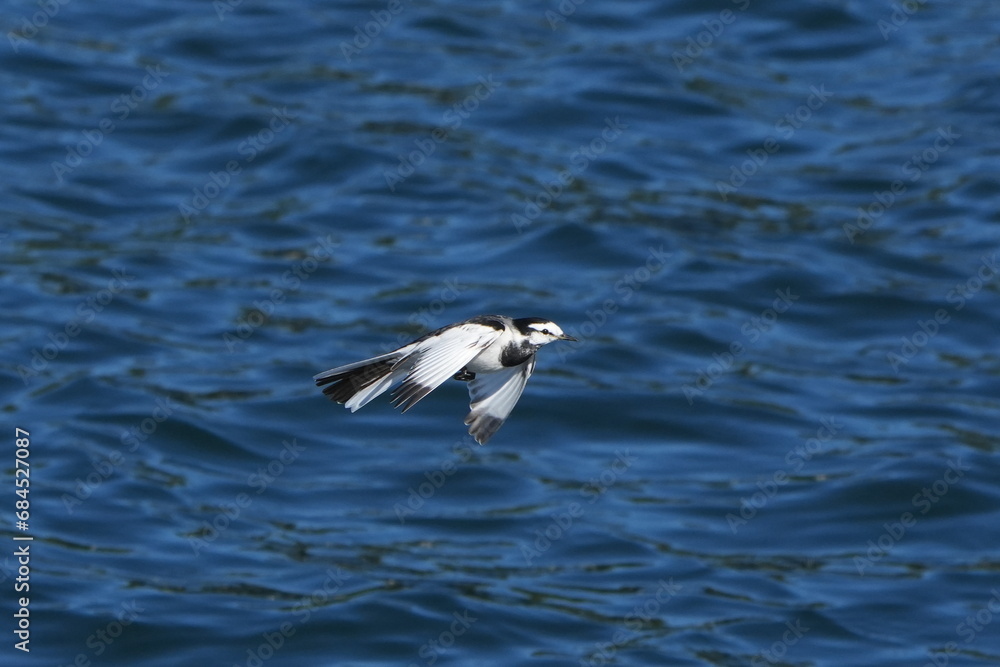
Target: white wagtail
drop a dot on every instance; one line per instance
(495, 354)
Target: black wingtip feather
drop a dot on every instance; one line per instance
(483, 427)
(406, 395)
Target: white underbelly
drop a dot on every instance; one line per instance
(488, 361)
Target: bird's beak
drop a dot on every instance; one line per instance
(565, 337)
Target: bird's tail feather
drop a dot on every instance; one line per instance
(358, 383)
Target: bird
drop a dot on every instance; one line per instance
(494, 354)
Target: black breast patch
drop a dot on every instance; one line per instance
(515, 355)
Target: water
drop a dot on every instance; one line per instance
(772, 226)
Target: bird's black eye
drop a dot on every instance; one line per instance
(546, 332)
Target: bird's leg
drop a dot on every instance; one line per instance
(464, 375)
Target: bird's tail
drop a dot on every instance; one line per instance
(356, 384)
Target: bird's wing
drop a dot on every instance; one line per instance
(493, 396)
(438, 357)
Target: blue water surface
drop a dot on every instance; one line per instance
(772, 226)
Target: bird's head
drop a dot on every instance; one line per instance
(540, 331)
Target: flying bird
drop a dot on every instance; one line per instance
(495, 354)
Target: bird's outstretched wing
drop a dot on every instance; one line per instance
(421, 366)
(493, 396)
(438, 357)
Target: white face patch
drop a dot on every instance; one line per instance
(547, 329)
